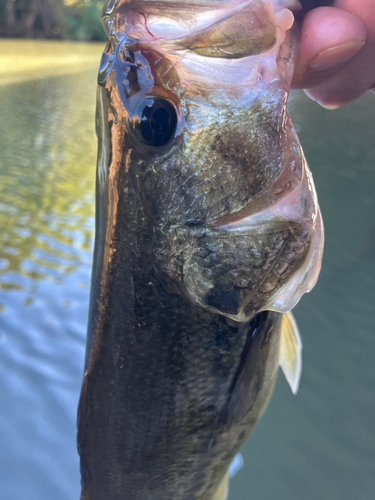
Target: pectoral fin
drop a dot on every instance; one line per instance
(290, 358)
(222, 491)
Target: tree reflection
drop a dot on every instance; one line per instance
(75, 19)
(47, 170)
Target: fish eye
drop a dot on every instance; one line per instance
(158, 121)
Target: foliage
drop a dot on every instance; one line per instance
(60, 19)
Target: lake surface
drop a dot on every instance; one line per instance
(317, 445)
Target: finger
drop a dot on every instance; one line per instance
(329, 38)
(349, 83)
(363, 10)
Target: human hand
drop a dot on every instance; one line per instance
(336, 60)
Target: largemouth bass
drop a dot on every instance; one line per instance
(208, 232)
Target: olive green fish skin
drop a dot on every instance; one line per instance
(181, 358)
(173, 393)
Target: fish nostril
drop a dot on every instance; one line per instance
(194, 222)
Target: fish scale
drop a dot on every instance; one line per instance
(229, 190)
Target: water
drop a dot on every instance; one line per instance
(320, 444)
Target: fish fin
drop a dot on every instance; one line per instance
(254, 373)
(223, 489)
(236, 465)
(290, 358)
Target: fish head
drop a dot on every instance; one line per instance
(193, 108)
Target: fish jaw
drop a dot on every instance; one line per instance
(211, 34)
(152, 19)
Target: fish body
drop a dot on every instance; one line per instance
(207, 231)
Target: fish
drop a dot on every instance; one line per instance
(208, 232)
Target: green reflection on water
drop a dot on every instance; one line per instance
(47, 165)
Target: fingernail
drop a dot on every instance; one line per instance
(335, 56)
(331, 106)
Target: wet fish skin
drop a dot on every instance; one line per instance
(181, 357)
(167, 425)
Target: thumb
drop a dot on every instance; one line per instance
(330, 37)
